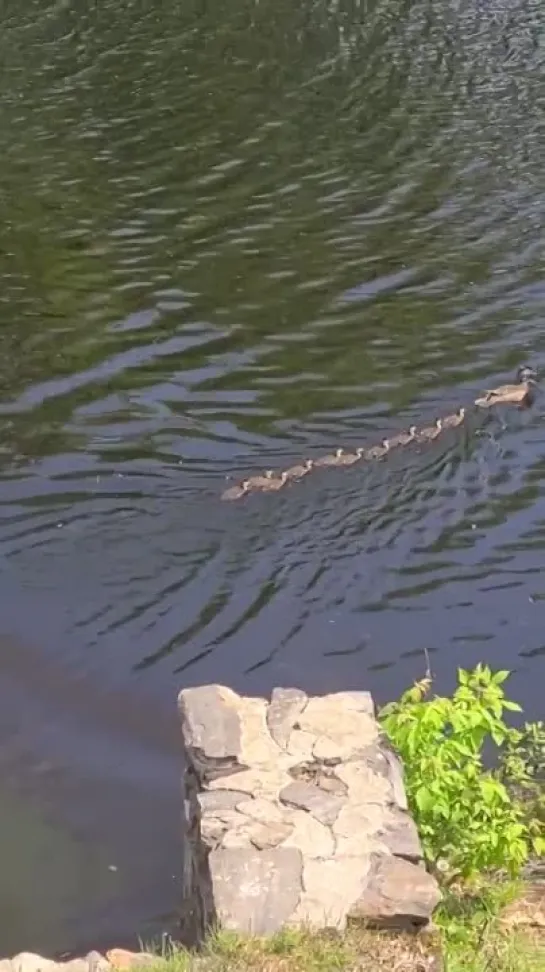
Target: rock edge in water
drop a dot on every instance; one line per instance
(295, 814)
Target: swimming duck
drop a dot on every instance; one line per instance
(378, 451)
(236, 492)
(348, 458)
(295, 472)
(267, 482)
(430, 431)
(334, 459)
(403, 438)
(452, 421)
(520, 393)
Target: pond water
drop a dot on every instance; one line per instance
(234, 235)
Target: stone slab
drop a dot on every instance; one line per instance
(399, 895)
(217, 801)
(310, 836)
(322, 805)
(32, 962)
(312, 829)
(399, 834)
(256, 893)
(285, 707)
(211, 730)
(257, 747)
(121, 958)
(331, 889)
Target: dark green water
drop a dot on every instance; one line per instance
(233, 235)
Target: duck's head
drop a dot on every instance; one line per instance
(525, 373)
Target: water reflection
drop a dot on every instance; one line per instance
(233, 238)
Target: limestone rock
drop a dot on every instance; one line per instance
(79, 965)
(312, 829)
(324, 806)
(216, 801)
(256, 893)
(398, 895)
(282, 713)
(346, 721)
(310, 836)
(30, 962)
(399, 834)
(266, 811)
(121, 958)
(211, 729)
(331, 889)
(365, 784)
(395, 774)
(257, 747)
(262, 781)
(96, 962)
(213, 828)
(260, 835)
(301, 744)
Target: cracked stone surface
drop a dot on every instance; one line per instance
(316, 801)
(294, 812)
(256, 893)
(282, 713)
(381, 904)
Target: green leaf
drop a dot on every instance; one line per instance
(538, 846)
(500, 676)
(498, 736)
(465, 815)
(425, 799)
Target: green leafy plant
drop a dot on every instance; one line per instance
(522, 767)
(469, 820)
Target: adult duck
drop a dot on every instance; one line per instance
(521, 393)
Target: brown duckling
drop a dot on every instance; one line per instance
(452, 421)
(296, 472)
(403, 438)
(334, 459)
(521, 393)
(430, 431)
(267, 482)
(378, 451)
(349, 458)
(236, 492)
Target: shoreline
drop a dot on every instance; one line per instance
(291, 786)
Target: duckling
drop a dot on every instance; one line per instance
(521, 393)
(378, 451)
(330, 460)
(256, 482)
(430, 431)
(452, 421)
(403, 438)
(267, 482)
(295, 472)
(236, 492)
(349, 458)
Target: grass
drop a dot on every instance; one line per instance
(486, 931)
(473, 934)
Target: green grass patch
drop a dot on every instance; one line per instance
(471, 935)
